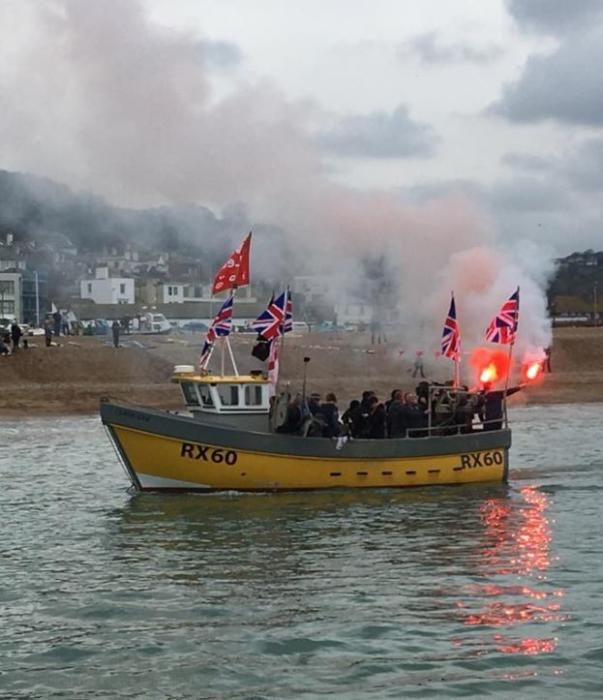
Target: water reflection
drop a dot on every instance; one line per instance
(518, 538)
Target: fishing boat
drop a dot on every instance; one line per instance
(230, 434)
(225, 440)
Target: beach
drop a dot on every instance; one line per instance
(72, 376)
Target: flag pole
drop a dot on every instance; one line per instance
(281, 345)
(511, 344)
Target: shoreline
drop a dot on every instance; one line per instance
(72, 377)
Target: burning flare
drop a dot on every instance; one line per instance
(490, 365)
(533, 370)
(488, 374)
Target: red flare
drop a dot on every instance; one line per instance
(490, 365)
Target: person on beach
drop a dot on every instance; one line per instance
(48, 332)
(15, 334)
(418, 367)
(115, 328)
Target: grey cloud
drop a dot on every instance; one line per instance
(555, 16)
(527, 162)
(380, 135)
(544, 210)
(221, 54)
(584, 169)
(564, 86)
(429, 48)
(525, 194)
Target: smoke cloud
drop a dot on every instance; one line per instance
(99, 97)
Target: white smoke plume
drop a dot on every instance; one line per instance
(99, 97)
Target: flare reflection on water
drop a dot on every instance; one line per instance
(519, 538)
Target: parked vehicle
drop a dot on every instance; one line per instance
(194, 327)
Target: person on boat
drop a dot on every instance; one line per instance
(422, 392)
(491, 405)
(395, 416)
(293, 417)
(414, 416)
(329, 412)
(364, 414)
(464, 412)
(376, 419)
(350, 417)
(314, 403)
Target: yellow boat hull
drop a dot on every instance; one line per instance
(163, 462)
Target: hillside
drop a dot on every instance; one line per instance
(73, 377)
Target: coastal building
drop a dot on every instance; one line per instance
(10, 295)
(104, 289)
(23, 295)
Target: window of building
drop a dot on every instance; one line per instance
(7, 306)
(7, 287)
(89, 287)
(122, 288)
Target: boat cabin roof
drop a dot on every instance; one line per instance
(219, 379)
(216, 393)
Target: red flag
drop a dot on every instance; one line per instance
(235, 271)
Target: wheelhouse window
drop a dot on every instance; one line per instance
(253, 395)
(205, 395)
(229, 394)
(190, 393)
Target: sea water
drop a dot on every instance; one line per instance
(476, 591)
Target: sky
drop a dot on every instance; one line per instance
(451, 137)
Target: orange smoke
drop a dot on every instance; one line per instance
(490, 365)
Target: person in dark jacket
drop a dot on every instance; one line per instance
(293, 418)
(396, 417)
(15, 334)
(492, 405)
(314, 403)
(350, 418)
(115, 327)
(376, 419)
(414, 416)
(330, 414)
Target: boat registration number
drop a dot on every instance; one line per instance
(208, 454)
(475, 460)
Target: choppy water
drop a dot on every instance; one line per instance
(471, 591)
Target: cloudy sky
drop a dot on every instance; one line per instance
(497, 103)
(461, 141)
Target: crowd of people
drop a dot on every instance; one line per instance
(432, 409)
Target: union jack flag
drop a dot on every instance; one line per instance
(451, 335)
(269, 323)
(220, 327)
(503, 327)
(288, 325)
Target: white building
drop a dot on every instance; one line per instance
(313, 287)
(353, 313)
(10, 295)
(179, 292)
(108, 290)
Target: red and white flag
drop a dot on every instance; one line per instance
(235, 271)
(273, 366)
